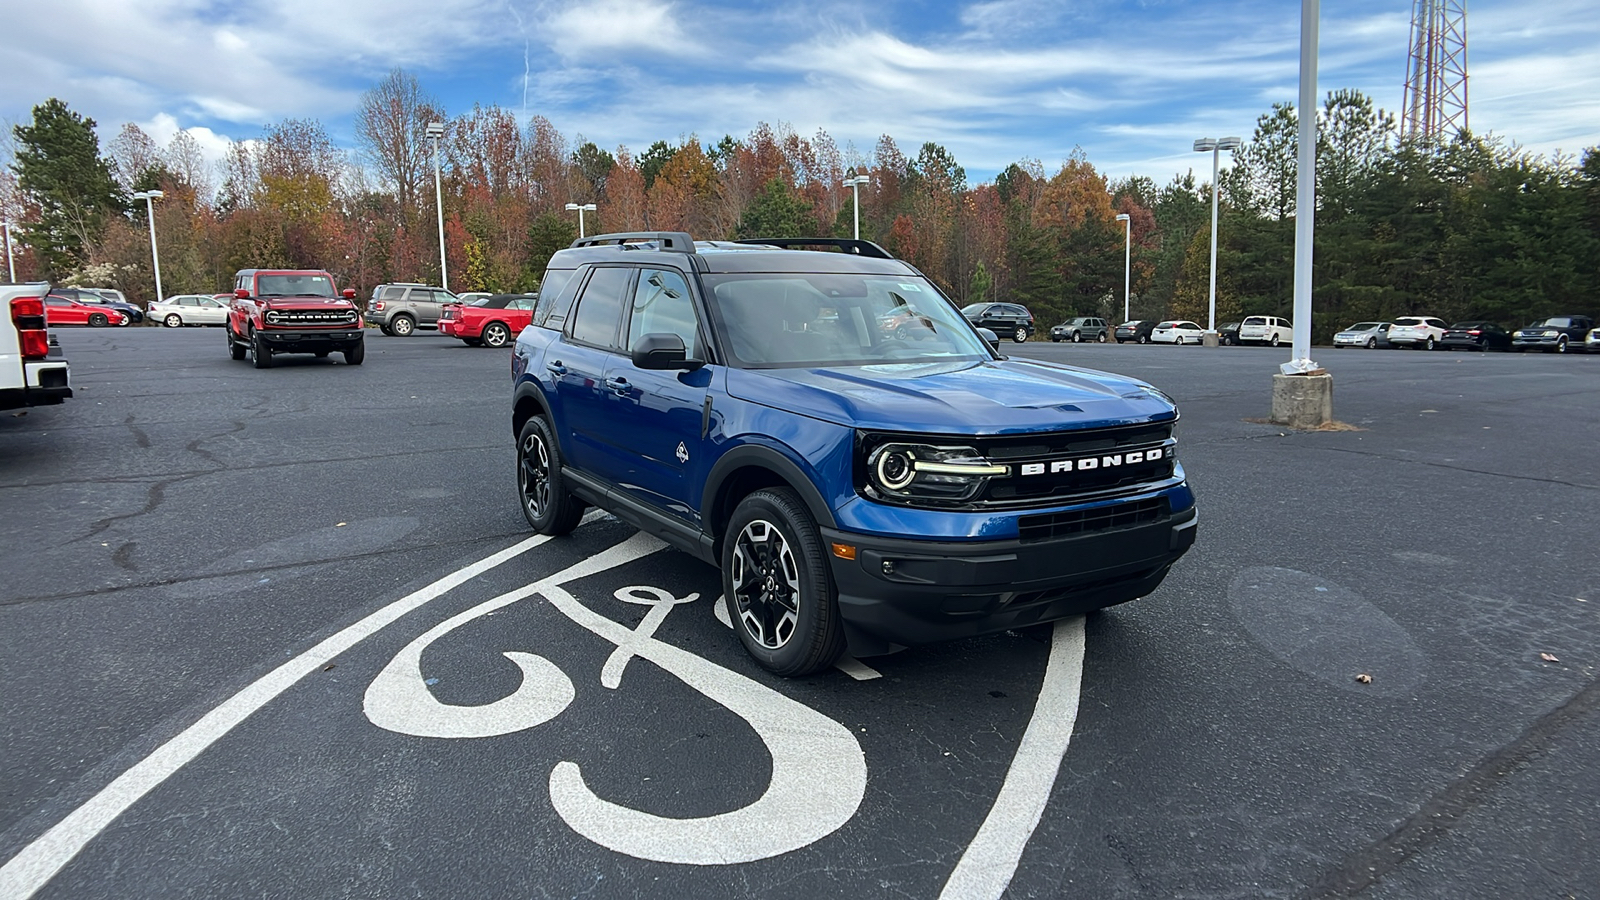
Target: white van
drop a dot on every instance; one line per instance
(1269, 330)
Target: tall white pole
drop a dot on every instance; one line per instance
(1216, 159)
(155, 255)
(855, 204)
(1305, 199)
(11, 267)
(1127, 263)
(438, 202)
(580, 221)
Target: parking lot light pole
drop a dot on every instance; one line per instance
(1127, 259)
(580, 207)
(11, 266)
(1215, 147)
(435, 131)
(854, 182)
(150, 198)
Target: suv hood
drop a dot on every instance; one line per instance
(988, 397)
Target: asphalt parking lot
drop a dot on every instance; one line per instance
(284, 633)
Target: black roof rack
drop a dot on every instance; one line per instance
(848, 245)
(678, 241)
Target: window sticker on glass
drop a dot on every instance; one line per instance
(909, 288)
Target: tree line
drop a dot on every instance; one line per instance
(1472, 228)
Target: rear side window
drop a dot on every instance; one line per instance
(549, 312)
(1255, 320)
(600, 308)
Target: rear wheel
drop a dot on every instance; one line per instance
(1430, 343)
(1144, 338)
(496, 334)
(1020, 335)
(545, 502)
(1273, 341)
(780, 592)
(354, 355)
(260, 353)
(403, 326)
(1102, 338)
(173, 320)
(236, 349)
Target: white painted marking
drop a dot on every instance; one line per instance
(819, 774)
(720, 609)
(399, 699)
(985, 869)
(856, 669)
(39, 862)
(660, 603)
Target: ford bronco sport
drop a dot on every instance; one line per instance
(746, 403)
(291, 311)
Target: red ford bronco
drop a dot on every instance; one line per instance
(292, 311)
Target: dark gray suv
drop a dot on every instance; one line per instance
(400, 309)
(1008, 320)
(1083, 328)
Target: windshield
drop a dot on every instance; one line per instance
(1362, 326)
(294, 286)
(801, 320)
(1557, 322)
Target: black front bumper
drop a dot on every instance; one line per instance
(904, 592)
(311, 341)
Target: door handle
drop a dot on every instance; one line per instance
(620, 385)
(556, 368)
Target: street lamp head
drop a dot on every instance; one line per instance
(589, 207)
(1124, 217)
(1230, 143)
(435, 130)
(856, 181)
(1205, 145)
(572, 206)
(148, 195)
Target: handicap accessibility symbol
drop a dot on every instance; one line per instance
(818, 776)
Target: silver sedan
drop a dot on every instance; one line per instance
(189, 309)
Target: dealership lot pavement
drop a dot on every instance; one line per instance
(258, 635)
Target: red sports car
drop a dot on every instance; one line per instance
(59, 310)
(491, 321)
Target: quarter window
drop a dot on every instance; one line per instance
(600, 307)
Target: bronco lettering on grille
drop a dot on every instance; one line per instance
(1089, 463)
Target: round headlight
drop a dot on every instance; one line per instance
(894, 469)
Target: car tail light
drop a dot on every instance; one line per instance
(378, 305)
(27, 313)
(1475, 331)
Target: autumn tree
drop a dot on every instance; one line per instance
(391, 129)
(60, 173)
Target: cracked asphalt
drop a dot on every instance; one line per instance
(186, 524)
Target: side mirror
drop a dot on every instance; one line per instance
(348, 293)
(990, 338)
(242, 293)
(662, 351)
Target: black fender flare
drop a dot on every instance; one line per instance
(527, 401)
(758, 456)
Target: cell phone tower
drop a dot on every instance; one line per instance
(1435, 105)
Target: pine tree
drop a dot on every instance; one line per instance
(58, 167)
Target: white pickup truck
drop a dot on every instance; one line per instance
(32, 369)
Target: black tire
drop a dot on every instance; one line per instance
(1077, 337)
(1429, 344)
(354, 355)
(403, 326)
(1273, 341)
(1561, 344)
(236, 349)
(1020, 335)
(385, 329)
(1372, 343)
(173, 320)
(779, 589)
(1054, 339)
(1144, 339)
(496, 334)
(97, 320)
(260, 353)
(1101, 339)
(472, 342)
(544, 499)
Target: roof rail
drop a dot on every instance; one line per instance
(678, 241)
(847, 245)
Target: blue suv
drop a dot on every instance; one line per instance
(828, 429)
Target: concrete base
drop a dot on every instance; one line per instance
(1211, 339)
(1302, 401)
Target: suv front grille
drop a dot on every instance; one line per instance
(291, 317)
(1048, 526)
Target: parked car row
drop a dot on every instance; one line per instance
(1557, 334)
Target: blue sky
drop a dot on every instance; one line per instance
(1131, 83)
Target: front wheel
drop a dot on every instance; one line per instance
(1077, 337)
(1020, 335)
(778, 587)
(545, 502)
(496, 334)
(260, 353)
(354, 355)
(97, 320)
(1561, 344)
(1372, 343)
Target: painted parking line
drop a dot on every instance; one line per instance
(40, 860)
(992, 858)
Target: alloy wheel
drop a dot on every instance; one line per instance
(766, 584)
(533, 475)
